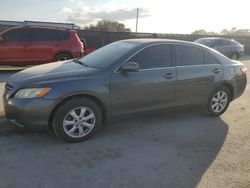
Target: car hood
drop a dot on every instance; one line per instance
(51, 72)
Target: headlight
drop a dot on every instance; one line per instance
(31, 93)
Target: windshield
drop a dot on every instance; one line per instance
(206, 42)
(107, 55)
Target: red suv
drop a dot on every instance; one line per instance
(36, 45)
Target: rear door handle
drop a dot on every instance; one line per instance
(216, 71)
(169, 76)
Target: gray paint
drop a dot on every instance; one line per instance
(121, 92)
(227, 47)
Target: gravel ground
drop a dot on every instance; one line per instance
(184, 148)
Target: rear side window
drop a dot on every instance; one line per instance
(209, 59)
(63, 35)
(189, 55)
(17, 35)
(157, 56)
(234, 42)
(43, 35)
(225, 42)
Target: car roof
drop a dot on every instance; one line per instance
(215, 38)
(156, 40)
(148, 41)
(39, 27)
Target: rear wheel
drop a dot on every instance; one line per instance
(62, 57)
(77, 120)
(218, 101)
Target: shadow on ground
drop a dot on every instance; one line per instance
(162, 150)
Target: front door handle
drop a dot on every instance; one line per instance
(169, 76)
(216, 71)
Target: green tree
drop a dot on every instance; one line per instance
(199, 32)
(236, 32)
(203, 32)
(231, 32)
(107, 25)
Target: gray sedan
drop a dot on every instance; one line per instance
(75, 97)
(228, 47)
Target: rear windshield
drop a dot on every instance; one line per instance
(107, 55)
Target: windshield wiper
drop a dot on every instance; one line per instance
(79, 62)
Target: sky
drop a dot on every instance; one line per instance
(155, 16)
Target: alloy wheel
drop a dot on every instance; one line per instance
(79, 122)
(219, 101)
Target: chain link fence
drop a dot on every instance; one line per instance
(97, 39)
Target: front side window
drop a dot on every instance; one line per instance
(189, 55)
(203, 41)
(108, 55)
(17, 35)
(157, 56)
(216, 43)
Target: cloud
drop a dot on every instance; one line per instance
(65, 10)
(74, 1)
(89, 15)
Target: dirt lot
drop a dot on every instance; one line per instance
(178, 149)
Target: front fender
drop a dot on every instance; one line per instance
(97, 87)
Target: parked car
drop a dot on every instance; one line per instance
(87, 50)
(31, 45)
(75, 97)
(228, 47)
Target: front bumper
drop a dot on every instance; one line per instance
(29, 113)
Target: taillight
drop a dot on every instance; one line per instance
(243, 70)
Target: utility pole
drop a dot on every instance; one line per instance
(137, 15)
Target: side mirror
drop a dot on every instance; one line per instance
(130, 67)
(1, 39)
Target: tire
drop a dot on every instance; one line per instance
(70, 125)
(62, 57)
(234, 56)
(216, 108)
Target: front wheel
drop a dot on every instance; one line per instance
(218, 101)
(77, 120)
